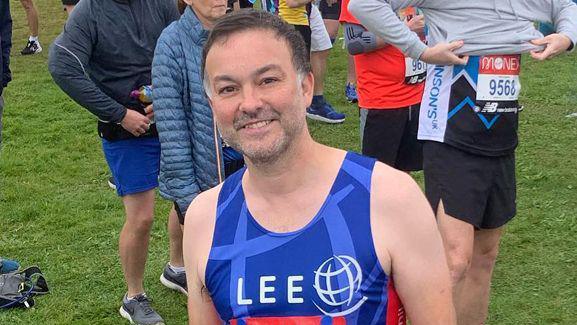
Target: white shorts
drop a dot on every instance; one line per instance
(320, 39)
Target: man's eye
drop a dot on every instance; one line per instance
(226, 90)
(267, 81)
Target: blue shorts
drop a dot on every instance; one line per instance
(134, 164)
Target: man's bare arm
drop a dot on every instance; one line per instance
(409, 244)
(197, 240)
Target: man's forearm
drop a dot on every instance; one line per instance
(69, 74)
(378, 17)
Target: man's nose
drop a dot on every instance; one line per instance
(251, 100)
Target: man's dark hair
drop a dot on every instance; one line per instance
(249, 19)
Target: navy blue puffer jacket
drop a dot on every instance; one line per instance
(190, 159)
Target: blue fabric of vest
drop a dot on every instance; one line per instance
(328, 268)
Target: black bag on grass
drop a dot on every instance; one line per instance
(18, 288)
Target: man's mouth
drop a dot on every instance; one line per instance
(256, 125)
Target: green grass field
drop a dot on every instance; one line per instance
(57, 212)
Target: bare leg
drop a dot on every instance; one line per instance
(31, 16)
(471, 256)
(458, 239)
(332, 27)
(175, 239)
(319, 67)
(474, 303)
(134, 238)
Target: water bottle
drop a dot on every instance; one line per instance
(143, 94)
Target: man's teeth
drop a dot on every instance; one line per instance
(257, 125)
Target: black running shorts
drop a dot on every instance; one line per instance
(70, 2)
(305, 32)
(479, 190)
(390, 136)
(333, 12)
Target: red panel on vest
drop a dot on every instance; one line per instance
(294, 320)
(395, 311)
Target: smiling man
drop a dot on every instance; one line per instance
(306, 234)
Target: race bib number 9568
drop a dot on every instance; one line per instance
(499, 78)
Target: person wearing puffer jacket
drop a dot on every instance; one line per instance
(191, 159)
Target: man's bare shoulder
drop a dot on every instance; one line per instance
(398, 196)
(198, 232)
(399, 212)
(393, 186)
(199, 225)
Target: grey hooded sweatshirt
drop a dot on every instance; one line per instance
(486, 26)
(106, 51)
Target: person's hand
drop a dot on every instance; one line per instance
(443, 54)
(149, 111)
(135, 123)
(555, 44)
(417, 24)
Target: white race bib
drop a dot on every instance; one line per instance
(498, 79)
(415, 71)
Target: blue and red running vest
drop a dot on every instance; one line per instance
(325, 273)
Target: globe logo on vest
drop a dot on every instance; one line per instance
(337, 282)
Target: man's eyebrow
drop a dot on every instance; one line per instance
(267, 68)
(259, 71)
(224, 78)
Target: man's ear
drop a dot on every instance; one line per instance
(308, 84)
(209, 101)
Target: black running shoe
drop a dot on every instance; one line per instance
(32, 47)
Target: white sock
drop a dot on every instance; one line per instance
(127, 298)
(176, 269)
(33, 39)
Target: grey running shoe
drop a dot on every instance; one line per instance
(173, 280)
(138, 311)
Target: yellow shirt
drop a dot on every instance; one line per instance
(293, 16)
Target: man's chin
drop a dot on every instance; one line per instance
(264, 156)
